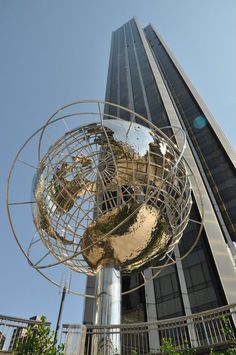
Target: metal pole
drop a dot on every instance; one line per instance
(108, 308)
(59, 314)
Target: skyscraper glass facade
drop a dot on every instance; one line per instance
(145, 77)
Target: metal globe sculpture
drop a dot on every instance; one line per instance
(111, 190)
(110, 196)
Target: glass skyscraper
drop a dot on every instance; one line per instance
(144, 76)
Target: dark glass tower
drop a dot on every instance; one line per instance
(145, 77)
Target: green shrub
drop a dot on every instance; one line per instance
(38, 341)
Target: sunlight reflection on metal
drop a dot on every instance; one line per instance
(106, 184)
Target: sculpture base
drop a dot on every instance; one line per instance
(108, 307)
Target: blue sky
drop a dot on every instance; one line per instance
(56, 51)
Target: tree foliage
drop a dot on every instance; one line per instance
(38, 340)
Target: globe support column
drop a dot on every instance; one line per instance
(108, 307)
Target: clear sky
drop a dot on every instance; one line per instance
(56, 51)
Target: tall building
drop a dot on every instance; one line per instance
(144, 76)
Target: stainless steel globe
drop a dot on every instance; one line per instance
(109, 197)
(111, 190)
